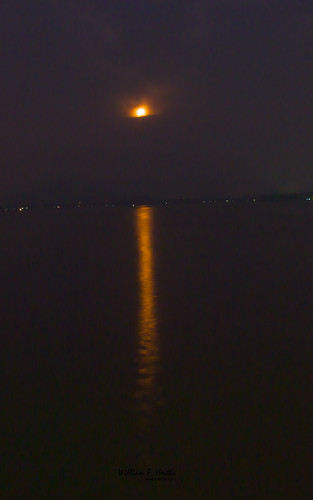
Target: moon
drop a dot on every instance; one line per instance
(140, 111)
(151, 101)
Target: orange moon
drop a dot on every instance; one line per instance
(140, 111)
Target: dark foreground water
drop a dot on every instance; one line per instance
(165, 343)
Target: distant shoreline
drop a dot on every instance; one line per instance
(137, 202)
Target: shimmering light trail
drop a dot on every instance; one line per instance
(148, 352)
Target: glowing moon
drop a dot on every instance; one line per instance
(151, 101)
(142, 111)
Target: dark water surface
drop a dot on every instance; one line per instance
(157, 338)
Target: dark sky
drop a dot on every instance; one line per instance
(232, 81)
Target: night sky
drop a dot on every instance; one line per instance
(230, 83)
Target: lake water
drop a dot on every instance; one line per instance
(157, 353)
